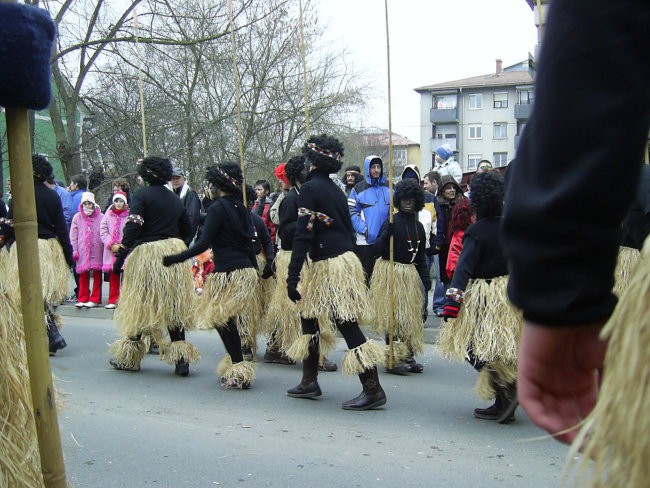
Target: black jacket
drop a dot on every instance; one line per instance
(192, 206)
(408, 233)
(228, 230)
(262, 238)
(50, 219)
(288, 215)
(162, 214)
(320, 239)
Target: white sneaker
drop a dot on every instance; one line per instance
(110, 306)
(80, 305)
(90, 304)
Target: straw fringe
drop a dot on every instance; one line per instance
(626, 264)
(154, 296)
(614, 435)
(20, 463)
(408, 303)
(366, 356)
(299, 350)
(503, 374)
(243, 372)
(487, 324)
(334, 289)
(228, 295)
(127, 352)
(327, 343)
(54, 272)
(172, 352)
(282, 317)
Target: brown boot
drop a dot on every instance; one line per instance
(372, 395)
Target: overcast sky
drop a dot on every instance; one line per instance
(431, 41)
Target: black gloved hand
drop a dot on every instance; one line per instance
(292, 291)
(268, 271)
(169, 260)
(117, 265)
(390, 228)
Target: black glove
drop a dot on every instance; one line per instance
(292, 291)
(117, 265)
(169, 260)
(268, 271)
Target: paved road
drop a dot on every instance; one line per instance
(153, 429)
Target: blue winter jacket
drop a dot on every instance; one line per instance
(369, 203)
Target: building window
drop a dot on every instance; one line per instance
(501, 100)
(500, 130)
(476, 101)
(400, 155)
(526, 97)
(475, 131)
(500, 159)
(444, 102)
(472, 161)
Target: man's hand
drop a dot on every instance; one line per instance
(115, 247)
(559, 375)
(268, 271)
(117, 265)
(292, 292)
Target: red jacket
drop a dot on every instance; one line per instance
(455, 247)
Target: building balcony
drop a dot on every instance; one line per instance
(517, 140)
(523, 110)
(438, 141)
(443, 115)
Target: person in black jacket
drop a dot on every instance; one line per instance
(487, 328)
(190, 201)
(154, 300)
(55, 251)
(231, 290)
(332, 285)
(411, 277)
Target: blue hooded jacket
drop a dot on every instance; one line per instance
(369, 203)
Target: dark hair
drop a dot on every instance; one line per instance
(488, 192)
(294, 169)
(461, 216)
(250, 196)
(352, 167)
(264, 184)
(80, 180)
(434, 176)
(155, 170)
(409, 188)
(41, 167)
(227, 177)
(122, 183)
(324, 152)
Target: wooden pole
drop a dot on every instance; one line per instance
(391, 275)
(38, 361)
(140, 84)
(303, 58)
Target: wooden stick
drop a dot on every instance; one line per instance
(140, 84)
(303, 57)
(38, 361)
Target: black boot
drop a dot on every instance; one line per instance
(182, 368)
(510, 403)
(55, 339)
(308, 387)
(372, 396)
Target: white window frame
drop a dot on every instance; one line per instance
(496, 159)
(502, 126)
(473, 160)
(446, 102)
(478, 131)
(502, 103)
(530, 97)
(478, 101)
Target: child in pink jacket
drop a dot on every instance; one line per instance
(111, 229)
(87, 250)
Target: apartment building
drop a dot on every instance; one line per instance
(480, 117)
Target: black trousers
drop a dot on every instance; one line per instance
(366, 255)
(350, 331)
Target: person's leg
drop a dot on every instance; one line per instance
(235, 373)
(55, 339)
(83, 290)
(439, 289)
(362, 358)
(180, 353)
(127, 353)
(96, 295)
(307, 348)
(113, 288)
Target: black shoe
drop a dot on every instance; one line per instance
(366, 401)
(277, 357)
(182, 368)
(312, 390)
(490, 413)
(400, 369)
(413, 367)
(510, 403)
(56, 342)
(154, 348)
(247, 352)
(327, 365)
(113, 362)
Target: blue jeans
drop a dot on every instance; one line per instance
(439, 289)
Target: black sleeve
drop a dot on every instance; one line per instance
(267, 244)
(209, 234)
(381, 247)
(193, 209)
(569, 188)
(438, 241)
(186, 229)
(467, 262)
(61, 229)
(132, 229)
(302, 237)
(421, 261)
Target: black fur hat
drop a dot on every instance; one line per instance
(324, 152)
(155, 170)
(41, 167)
(227, 177)
(488, 192)
(295, 169)
(409, 188)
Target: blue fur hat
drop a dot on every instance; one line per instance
(444, 151)
(26, 42)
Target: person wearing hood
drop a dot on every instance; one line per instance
(446, 164)
(351, 176)
(87, 250)
(369, 203)
(111, 229)
(190, 201)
